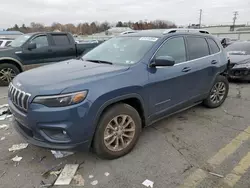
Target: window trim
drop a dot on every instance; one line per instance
(60, 34)
(41, 35)
(210, 49)
(189, 61)
(209, 53)
(177, 36)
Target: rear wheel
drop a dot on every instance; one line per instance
(218, 93)
(118, 131)
(7, 73)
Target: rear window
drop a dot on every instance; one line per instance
(197, 47)
(7, 43)
(213, 46)
(61, 40)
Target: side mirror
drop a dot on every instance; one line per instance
(32, 46)
(163, 61)
(224, 42)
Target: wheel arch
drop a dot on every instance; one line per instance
(13, 61)
(128, 99)
(133, 99)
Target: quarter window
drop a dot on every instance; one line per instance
(197, 47)
(41, 41)
(61, 40)
(175, 48)
(213, 46)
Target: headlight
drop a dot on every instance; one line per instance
(61, 100)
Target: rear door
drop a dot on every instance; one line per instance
(201, 61)
(62, 47)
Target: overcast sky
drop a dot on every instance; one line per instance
(182, 12)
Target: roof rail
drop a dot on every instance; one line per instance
(185, 30)
(127, 32)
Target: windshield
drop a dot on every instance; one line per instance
(121, 50)
(19, 41)
(240, 48)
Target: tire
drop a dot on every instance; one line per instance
(209, 102)
(117, 112)
(5, 78)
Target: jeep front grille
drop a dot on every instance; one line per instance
(18, 97)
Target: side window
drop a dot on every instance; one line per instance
(175, 48)
(213, 46)
(41, 41)
(1, 42)
(197, 47)
(61, 40)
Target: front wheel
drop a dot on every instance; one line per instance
(7, 73)
(218, 93)
(118, 131)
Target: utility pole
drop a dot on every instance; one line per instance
(200, 18)
(235, 18)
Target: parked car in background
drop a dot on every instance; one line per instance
(239, 55)
(227, 41)
(36, 49)
(5, 42)
(104, 99)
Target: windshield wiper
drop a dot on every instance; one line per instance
(99, 61)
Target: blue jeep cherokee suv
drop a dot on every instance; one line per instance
(103, 100)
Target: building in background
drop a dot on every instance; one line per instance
(10, 34)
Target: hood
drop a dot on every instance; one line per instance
(54, 78)
(8, 51)
(239, 59)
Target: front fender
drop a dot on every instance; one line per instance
(116, 100)
(99, 105)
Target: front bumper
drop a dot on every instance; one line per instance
(239, 74)
(66, 128)
(54, 146)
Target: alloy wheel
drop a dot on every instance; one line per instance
(119, 133)
(7, 74)
(218, 92)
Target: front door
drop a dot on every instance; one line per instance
(170, 86)
(35, 57)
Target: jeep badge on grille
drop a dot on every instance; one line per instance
(18, 84)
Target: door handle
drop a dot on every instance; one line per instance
(214, 62)
(186, 69)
